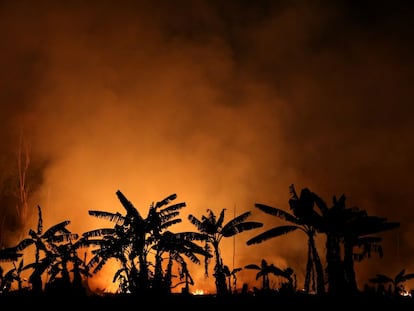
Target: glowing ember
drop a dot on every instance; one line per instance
(199, 292)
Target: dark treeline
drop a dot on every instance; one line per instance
(150, 254)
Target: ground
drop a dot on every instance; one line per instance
(184, 302)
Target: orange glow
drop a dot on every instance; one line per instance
(199, 292)
(226, 110)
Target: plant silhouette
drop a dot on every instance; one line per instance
(396, 282)
(14, 274)
(299, 222)
(45, 248)
(265, 269)
(231, 278)
(177, 245)
(151, 255)
(215, 230)
(347, 229)
(68, 261)
(132, 239)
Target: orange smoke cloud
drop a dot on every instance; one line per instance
(225, 105)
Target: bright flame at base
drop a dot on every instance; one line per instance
(199, 292)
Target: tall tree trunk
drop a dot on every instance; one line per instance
(219, 275)
(320, 278)
(334, 269)
(349, 267)
(309, 269)
(158, 273)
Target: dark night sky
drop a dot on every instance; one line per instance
(225, 103)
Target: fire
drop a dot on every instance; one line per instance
(199, 292)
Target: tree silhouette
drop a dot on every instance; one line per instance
(147, 250)
(13, 275)
(215, 229)
(347, 229)
(176, 245)
(300, 221)
(66, 262)
(110, 243)
(184, 274)
(45, 242)
(290, 285)
(397, 282)
(265, 269)
(232, 285)
(358, 236)
(10, 254)
(132, 238)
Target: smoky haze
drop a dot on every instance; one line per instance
(223, 103)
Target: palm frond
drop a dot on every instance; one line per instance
(170, 223)
(237, 220)
(100, 265)
(172, 208)
(93, 261)
(118, 274)
(226, 270)
(20, 267)
(33, 234)
(235, 270)
(275, 270)
(166, 217)
(407, 277)
(260, 274)
(63, 238)
(278, 213)
(263, 263)
(292, 192)
(252, 267)
(240, 227)
(196, 222)
(24, 243)
(129, 207)
(191, 236)
(9, 276)
(191, 255)
(367, 225)
(271, 233)
(112, 217)
(55, 228)
(166, 200)
(31, 265)
(320, 203)
(196, 249)
(85, 242)
(220, 220)
(399, 276)
(368, 240)
(9, 254)
(99, 232)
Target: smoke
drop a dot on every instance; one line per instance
(224, 103)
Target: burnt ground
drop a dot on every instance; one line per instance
(200, 302)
